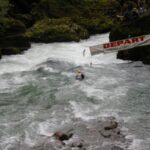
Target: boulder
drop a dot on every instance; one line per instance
(111, 125)
(136, 54)
(116, 148)
(62, 136)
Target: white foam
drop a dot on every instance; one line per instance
(8, 141)
(69, 52)
(81, 111)
(139, 144)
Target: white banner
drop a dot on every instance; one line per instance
(120, 45)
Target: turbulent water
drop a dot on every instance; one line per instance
(39, 93)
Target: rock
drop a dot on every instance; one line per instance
(136, 54)
(146, 60)
(116, 148)
(77, 144)
(111, 125)
(78, 136)
(105, 134)
(110, 129)
(62, 136)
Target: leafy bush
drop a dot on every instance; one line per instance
(50, 30)
(95, 25)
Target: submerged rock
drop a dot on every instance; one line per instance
(111, 125)
(116, 148)
(62, 136)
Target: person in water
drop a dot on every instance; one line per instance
(79, 75)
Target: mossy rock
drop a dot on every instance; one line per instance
(56, 30)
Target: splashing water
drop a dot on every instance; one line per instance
(39, 93)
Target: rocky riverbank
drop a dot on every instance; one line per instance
(52, 21)
(103, 134)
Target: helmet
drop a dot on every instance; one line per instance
(78, 71)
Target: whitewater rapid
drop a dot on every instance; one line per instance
(38, 92)
(71, 52)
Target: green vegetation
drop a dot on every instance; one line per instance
(136, 27)
(10, 26)
(100, 24)
(44, 19)
(24, 21)
(139, 26)
(51, 30)
(4, 5)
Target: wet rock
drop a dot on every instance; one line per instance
(116, 148)
(136, 54)
(110, 130)
(105, 134)
(84, 135)
(77, 144)
(62, 136)
(111, 125)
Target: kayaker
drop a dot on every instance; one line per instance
(79, 75)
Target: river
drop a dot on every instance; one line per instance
(39, 93)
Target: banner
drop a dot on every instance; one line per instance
(120, 45)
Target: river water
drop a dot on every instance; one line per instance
(39, 93)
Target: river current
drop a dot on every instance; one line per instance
(39, 93)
